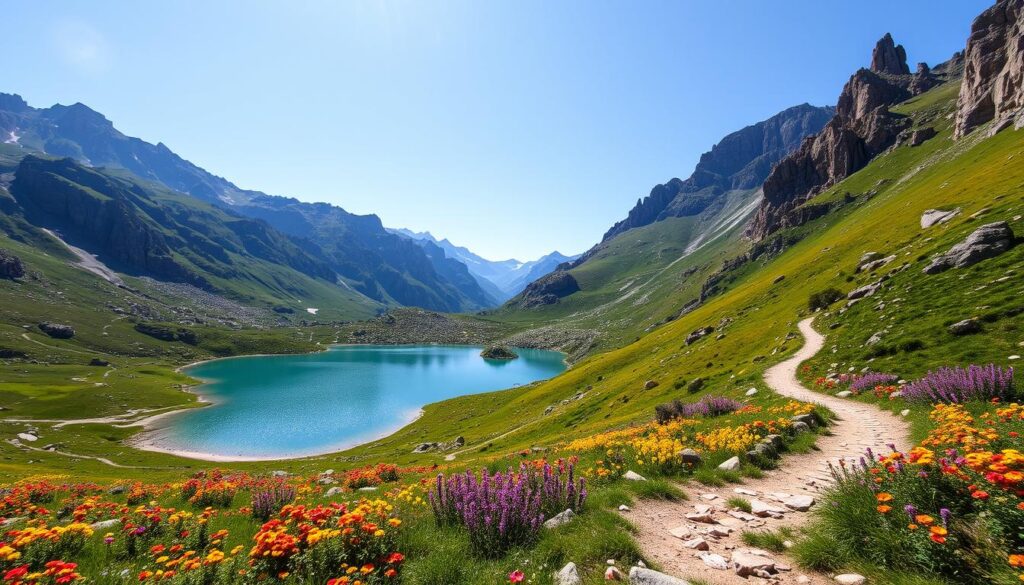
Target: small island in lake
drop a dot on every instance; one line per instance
(498, 352)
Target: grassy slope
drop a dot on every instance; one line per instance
(971, 174)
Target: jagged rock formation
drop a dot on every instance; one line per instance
(862, 128)
(888, 57)
(547, 290)
(993, 85)
(57, 330)
(10, 265)
(740, 161)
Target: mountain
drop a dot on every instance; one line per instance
(651, 265)
(502, 279)
(739, 162)
(373, 261)
(143, 229)
(863, 127)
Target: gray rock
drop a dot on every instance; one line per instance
(874, 339)
(965, 327)
(642, 576)
(715, 561)
(746, 564)
(851, 579)
(875, 264)
(117, 489)
(697, 544)
(332, 492)
(988, 241)
(730, 464)
(649, 384)
(569, 575)
(922, 135)
(57, 330)
(798, 503)
(633, 476)
(864, 291)
(844, 394)
(800, 427)
(698, 334)
(810, 419)
(751, 392)
(560, 519)
(690, 456)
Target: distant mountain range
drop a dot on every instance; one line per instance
(502, 279)
(354, 250)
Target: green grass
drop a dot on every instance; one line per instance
(771, 540)
(739, 503)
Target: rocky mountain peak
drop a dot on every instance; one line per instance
(993, 84)
(888, 57)
(12, 102)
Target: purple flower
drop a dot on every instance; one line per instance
(957, 385)
(911, 511)
(945, 515)
(869, 380)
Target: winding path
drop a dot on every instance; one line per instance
(858, 427)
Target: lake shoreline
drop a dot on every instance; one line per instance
(151, 439)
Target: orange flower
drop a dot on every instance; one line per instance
(882, 508)
(884, 497)
(924, 519)
(1016, 560)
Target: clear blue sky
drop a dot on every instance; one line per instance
(513, 128)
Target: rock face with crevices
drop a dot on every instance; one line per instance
(993, 84)
(548, 290)
(862, 128)
(988, 241)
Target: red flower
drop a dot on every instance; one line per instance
(16, 573)
(516, 577)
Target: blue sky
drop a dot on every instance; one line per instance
(513, 128)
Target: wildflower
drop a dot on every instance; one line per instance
(516, 577)
(884, 497)
(883, 509)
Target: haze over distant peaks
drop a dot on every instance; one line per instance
(502, 278)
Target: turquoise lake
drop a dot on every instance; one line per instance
(295, 405)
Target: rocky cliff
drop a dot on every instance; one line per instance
(861, 129)
(993, 84)
(548, 290)
(741, 160)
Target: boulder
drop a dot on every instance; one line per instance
(730, 464)
(650, 384)
(689, 456)
(988, 241)
(698, 334)
(875, 264)
(965, 327)
(10, 265)
(569, 575)
(426, 447)
(844, 394)
(922, 135)
(560, 519)
(851, 579)
(57, 330)
(105, 524)
(332, 492)
(643, 576)
(98, 362)
(633, 476)
(762, 509)
(936, 216)
(810, 419)
(750, 392)
(864, 291)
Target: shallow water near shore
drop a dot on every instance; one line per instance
(267, 407)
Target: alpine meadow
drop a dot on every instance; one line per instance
(797, 365)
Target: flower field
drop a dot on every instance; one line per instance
(952, 505)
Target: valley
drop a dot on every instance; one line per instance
(798, 365)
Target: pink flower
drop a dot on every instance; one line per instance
(516, 577)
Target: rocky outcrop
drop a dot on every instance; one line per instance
(988, 241)
(862, 128)
(547, 290)
(993, 84)
(57, 330)
(10, 265)
(888, 57)
(498, 352)
(740, 161)
(936, 216)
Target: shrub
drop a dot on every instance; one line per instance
(707, 406)
(504, 509)
(269, 500)
(870, 380)
(824, 298)
(956, 385)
